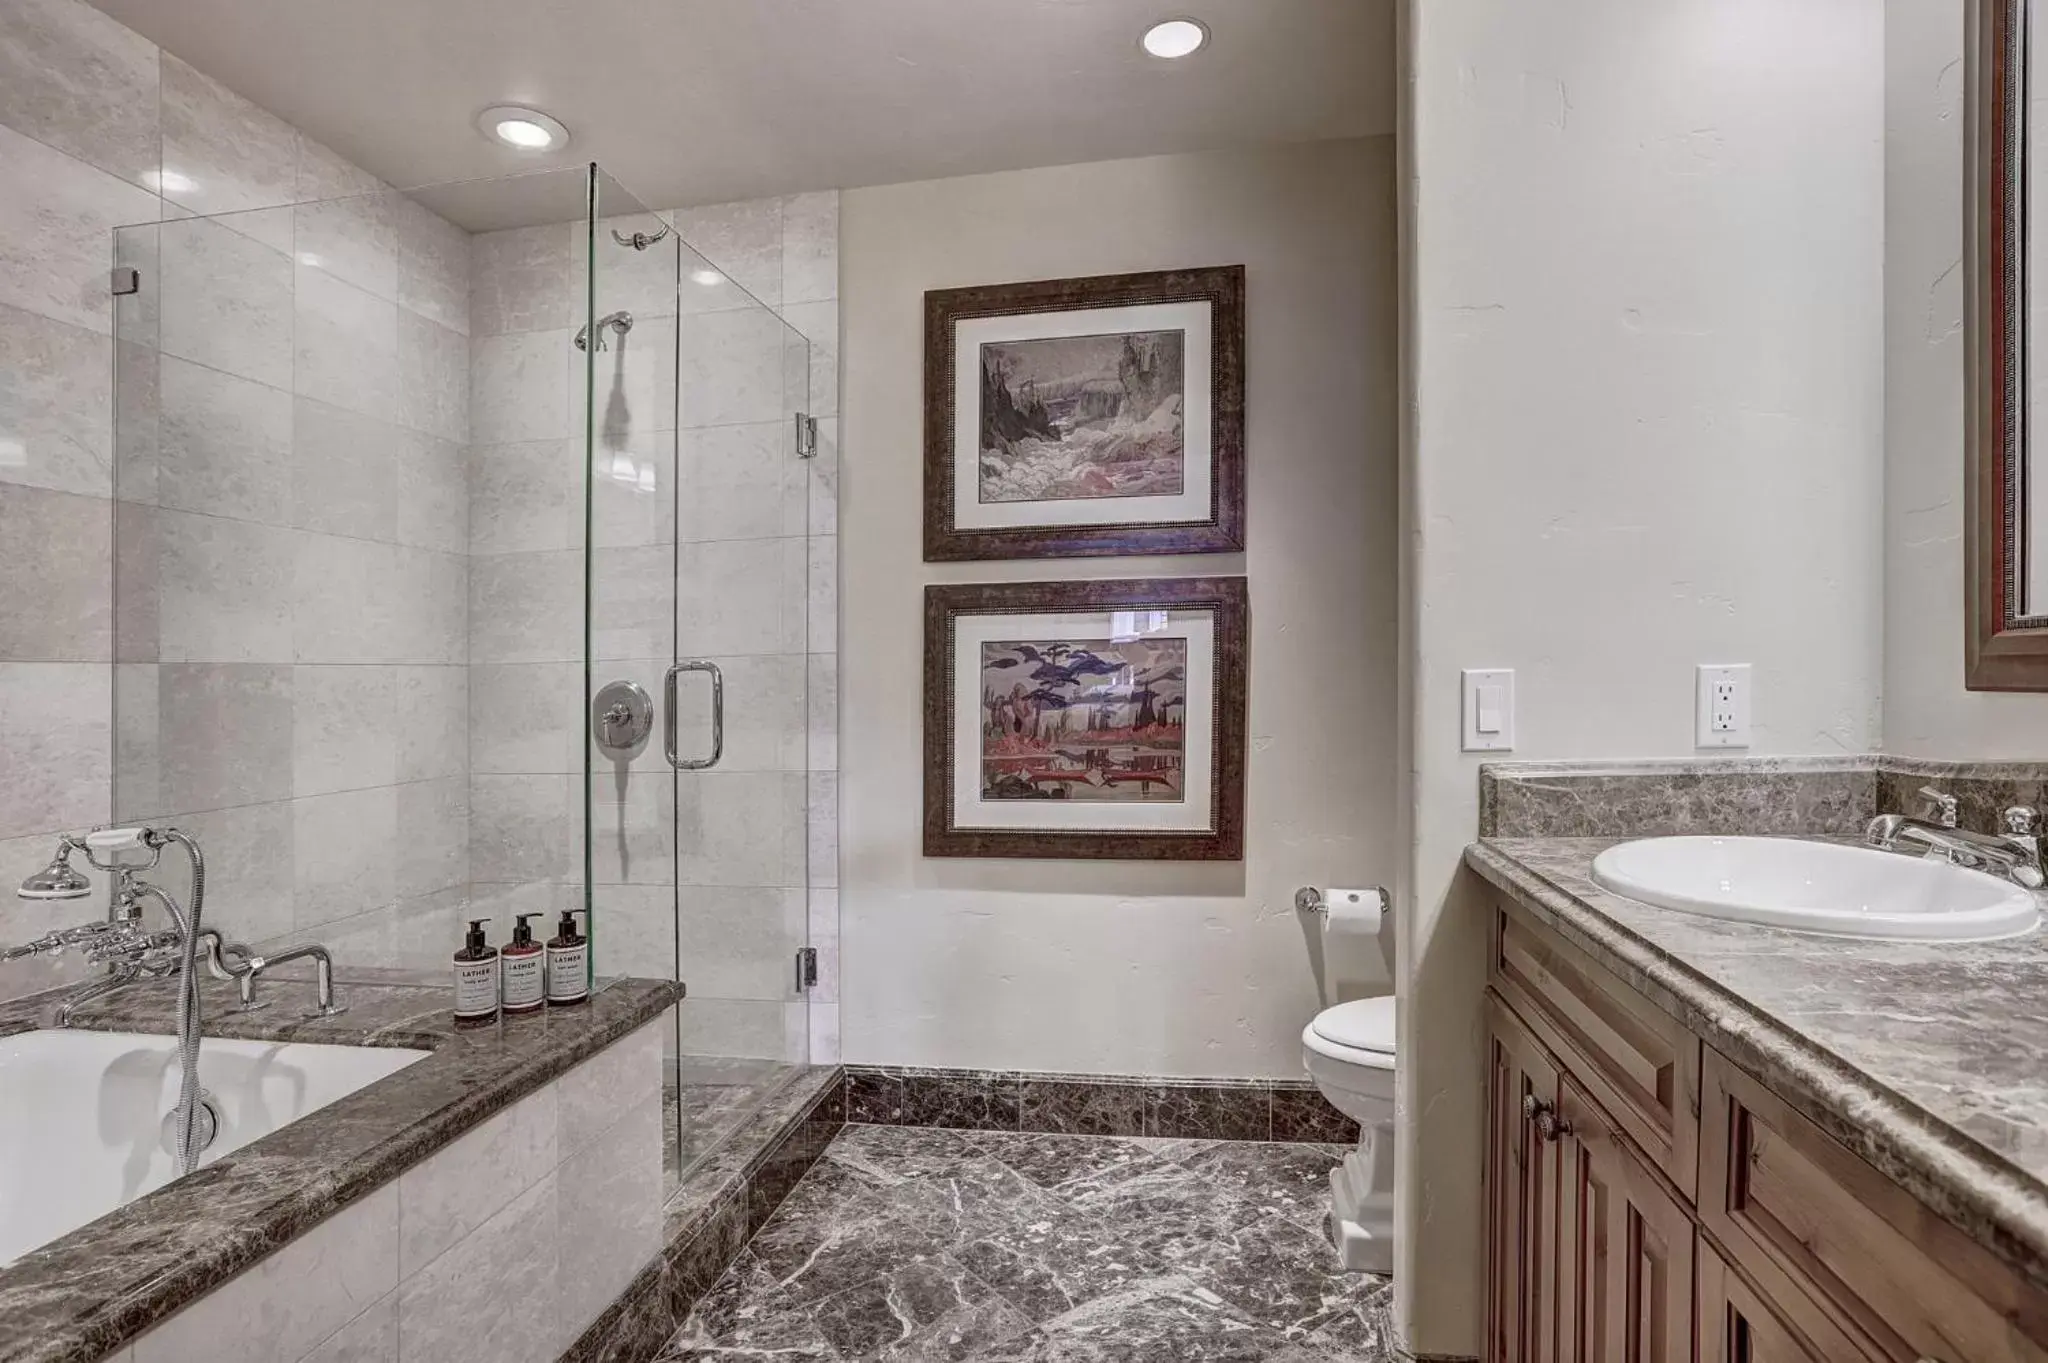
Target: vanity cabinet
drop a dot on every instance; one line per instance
(1648, 1200)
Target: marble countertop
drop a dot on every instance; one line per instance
(81, 1296)
(1929, 1060)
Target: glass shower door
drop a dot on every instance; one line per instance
(700, 554)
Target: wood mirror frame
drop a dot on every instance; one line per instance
(2003, 649)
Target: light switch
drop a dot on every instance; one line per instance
(1489, 709)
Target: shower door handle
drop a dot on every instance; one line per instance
(668, 716)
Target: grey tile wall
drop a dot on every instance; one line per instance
(293, 394)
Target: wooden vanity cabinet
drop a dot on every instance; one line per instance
(1773, 1244)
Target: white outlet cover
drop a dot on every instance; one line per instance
(1721, 706)
(1488, 709)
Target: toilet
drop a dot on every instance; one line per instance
(1348, 1050)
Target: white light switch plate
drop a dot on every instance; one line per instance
(1489, 709)
(1721, 706)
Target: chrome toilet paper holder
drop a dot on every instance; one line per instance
(1310, 898)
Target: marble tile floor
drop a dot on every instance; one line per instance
(914, 1243)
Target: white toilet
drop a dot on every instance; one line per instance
(1349, 1051)
(1350, 1054)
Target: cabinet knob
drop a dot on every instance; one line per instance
(1549, 1126)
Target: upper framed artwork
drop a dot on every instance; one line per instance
(1083, 417)
(1086, 719)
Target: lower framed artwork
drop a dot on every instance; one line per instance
(1086, 719)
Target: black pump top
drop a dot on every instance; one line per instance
(522, 935)
(566, 932)
(474, 947)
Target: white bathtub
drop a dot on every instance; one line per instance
(81, 1115)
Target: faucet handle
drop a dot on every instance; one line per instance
(2022, 821)
(1943, 805)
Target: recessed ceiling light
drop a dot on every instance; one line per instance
(522, 129)
(708, 278)
(1175, 38)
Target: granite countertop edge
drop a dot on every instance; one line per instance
(1973, 1188)
(41, 1324)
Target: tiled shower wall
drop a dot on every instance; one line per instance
(714, 525)
(281, 353)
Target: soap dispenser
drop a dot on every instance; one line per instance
(522, 968)
(568, 963)
(476, 976)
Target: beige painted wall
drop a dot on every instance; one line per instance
(1191, 969)
(1927, 713)
(1644, 319)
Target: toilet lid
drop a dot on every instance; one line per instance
(1363, 1025)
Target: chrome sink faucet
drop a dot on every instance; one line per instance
(2014, 854)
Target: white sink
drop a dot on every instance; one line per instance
(1818, 887)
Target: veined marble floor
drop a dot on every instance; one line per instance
(907, 1243)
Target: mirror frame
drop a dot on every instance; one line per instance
(2003, 650)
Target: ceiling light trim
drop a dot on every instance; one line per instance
(1174, 39)
(495, 121)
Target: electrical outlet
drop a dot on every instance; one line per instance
(1721, 716)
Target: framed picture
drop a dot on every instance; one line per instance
(1079, 417)
(1086, 719)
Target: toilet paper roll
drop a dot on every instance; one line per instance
(1351, 914)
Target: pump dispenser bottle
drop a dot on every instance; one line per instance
(568, 963)
(522, 968)
(476, 976)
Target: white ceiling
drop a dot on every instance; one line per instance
(704, 101)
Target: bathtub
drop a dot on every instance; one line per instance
(81, 1115)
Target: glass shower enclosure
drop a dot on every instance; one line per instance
(406, 482)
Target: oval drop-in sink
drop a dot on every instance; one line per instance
(1818, 887)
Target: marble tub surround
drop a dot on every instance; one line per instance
(222, 1229)
(918, 1243)
(1925, 1059)
(1094, 1104)
(725, 1199)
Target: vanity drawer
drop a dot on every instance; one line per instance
(1636, 1062)
(1819, 1229)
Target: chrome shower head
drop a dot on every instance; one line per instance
(57, 880)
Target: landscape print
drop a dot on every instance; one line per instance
(1072, 418)
(1092, 719)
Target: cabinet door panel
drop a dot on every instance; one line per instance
(1522, 1199)
(1627, 1275)
(1738, 1326)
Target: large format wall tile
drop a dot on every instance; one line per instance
(743, 241)
(730, 369)
(433, 839)
(433, 378)
(519, 387)
(433, 265)
(526, 608)
(225, 444)
(633, 839)
(469, 1181)
(82, 83)
(740, 828)
(224, 735)
(519, 280)
(222, 154)
(526, 718)
(737, 942)
(56, 723)
(345, 601)
(491, 1296)
(345, 345)
(432, 707)
(430, 481)
(225, 301)
(56, 405)
(344, 850)
(342, 472)
(54, 242)
(292, 1301)
(344, 729)
(740, 596)
(526, 496)
(810, 248)
(741, 482)
(54, 604)
(353, 239)
(224, 590)
(525, 828)
(609, 1210)
(249, 865)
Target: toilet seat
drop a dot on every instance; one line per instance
(1361, 1025)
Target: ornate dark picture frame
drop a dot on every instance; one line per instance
(2005, 645)
(1225, 599)
(1221, 530)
